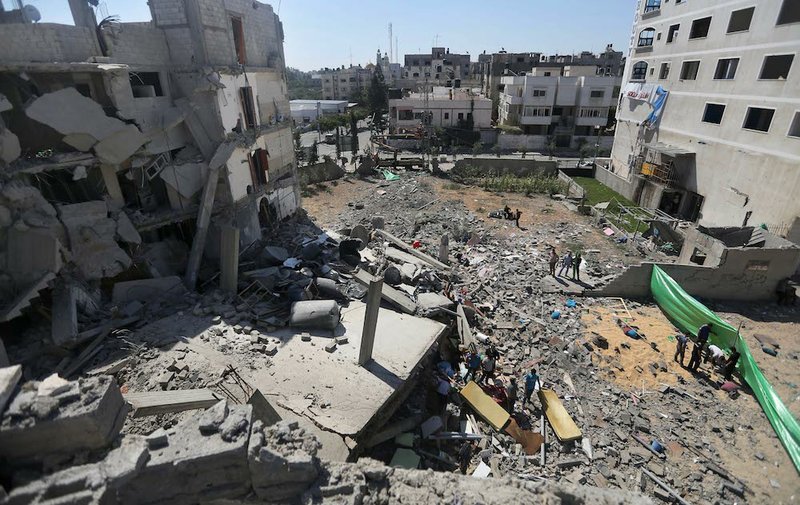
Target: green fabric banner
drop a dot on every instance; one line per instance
(688, 314)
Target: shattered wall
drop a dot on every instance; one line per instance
(137, 44)
(47, 42)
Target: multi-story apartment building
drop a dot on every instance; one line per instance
(494, 66)
(572, 109)
(342, 83)
(709, 122)
(443, 107)
(439, 68)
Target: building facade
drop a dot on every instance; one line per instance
(439, 68)
(709, 124)
(572, 110)
(308, 111)
(343, 83)
(443, 107)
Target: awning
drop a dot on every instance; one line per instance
(673, 151)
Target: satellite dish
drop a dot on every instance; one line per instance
(31, 13)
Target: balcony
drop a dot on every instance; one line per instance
(535, 120)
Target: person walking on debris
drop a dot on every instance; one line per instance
(730, 365)
(488, 364)
(511, 394)
(553, 261)
(531, 381)
(697, 352)
(680, 350)
(517, 215)
(473, 365)
(702, 337)
(576, 266)
(465, 456)
(566, 263)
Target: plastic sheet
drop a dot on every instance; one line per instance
(688, 314)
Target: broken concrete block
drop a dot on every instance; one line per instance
(213, 417)
(9, 146)
(32, 253)
(319, 314)
(119, 146)
(53, 385)
(92, 422)
(80, 141)
(430, 301)
(147, 289)
(330, 347)
(271, 350)
(341, 340)
(9, 377)
(305, 337)
(157, 439)
(68, 112)
(92, 239)
(282, 461)
(126, 231)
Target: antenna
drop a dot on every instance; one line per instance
(396, 50)
(390, 43)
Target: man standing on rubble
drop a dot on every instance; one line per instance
(517, 215)
(531, 380)
(702, 337)
(576, 266)
(473, 365)
(488, 364)
(681, 340)
(730, 365)
(553, 261)
(566, 263)
(511, 394)
(697, 353)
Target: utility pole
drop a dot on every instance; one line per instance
(390, 43)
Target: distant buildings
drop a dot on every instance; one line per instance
(308, 111)
(343, 83)
(709, 121)
(443, 107)
(571, 109)
(439, 68)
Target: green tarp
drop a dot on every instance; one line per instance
(688, 314)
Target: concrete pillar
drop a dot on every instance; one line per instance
(201, 228)
(444, 249)
(370, 321)
(229, 259)
(112, 183)
(82, 14)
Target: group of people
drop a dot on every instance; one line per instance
(568, 262)
(513, 215)
(712, 353)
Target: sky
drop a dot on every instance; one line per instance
(331, 33)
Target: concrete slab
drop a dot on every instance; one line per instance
(126, 231)
(80, 141)
(64, 322)
(120, 146)
(32, 253)
(9, 377)
(9, 145)
(146, 289)
(69, 112)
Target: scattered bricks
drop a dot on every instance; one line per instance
(305, 337)
(341, 340)
(271, 350)
(164, 379)
(733, 488)
(620, 435)
(569, 463)
(258, 347)
(157, 439)
(331, 346)
(662, 495)
(213, 417)
(656, 469)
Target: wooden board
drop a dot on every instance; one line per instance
(388, 293)
(564, 427)
(485, 406)
(415, 252)
(164, 402)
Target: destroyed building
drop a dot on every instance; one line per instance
(127, 147)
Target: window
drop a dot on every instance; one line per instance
(639, 71)
(405, 115)
(652, 5)
(144, 84)
(597, 93)
(790, 12)
(652, 70)
(672, 33)
(713, 113)
(418, 115)
(248, 108)
(447, 115)
(547, 74)
(591, 113)
(539, 92)
(460, 116)
(664, 72)
(536, 111)
(726, 68)
(238, 40)
(776, 66)
(740, 20)
(794, 128)
(758, 119)
(259, 167)
(646, 37)
(689, 70)
(700, 28)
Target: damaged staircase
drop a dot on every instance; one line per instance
(26, 297)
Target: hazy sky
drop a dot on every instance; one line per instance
(329, 33)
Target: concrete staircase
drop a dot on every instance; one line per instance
(24, 299)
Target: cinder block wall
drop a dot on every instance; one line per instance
(46, 42)
(138, 44)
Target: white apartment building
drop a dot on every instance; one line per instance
(725, 79)
(575, 108)
(444, 107)
(342, 83)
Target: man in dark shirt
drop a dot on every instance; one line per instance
(730, 365)
(465, 456)
(511, 394)
(681, 349)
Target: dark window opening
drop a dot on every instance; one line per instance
(758, 119)
(664, 72)
(740, 20)
(777, 66)
(238, 40)
(713, 113)
(652, 5)
(689, 70)
(789, 13)
(145, 84)
(639, 71)
(698, 257)
(248, 107)
(794, 128)
(405, 115)
(726, 68)
(86, 90)
(259, 167)
(598, 93)
(673, 32)
(547, 74)
(700, 28)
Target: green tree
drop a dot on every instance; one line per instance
(313, 155)
(299, 152)
(496, 149)
(377, 99)
(353, 135)
(476, 148)
(338, 145)
(551, 146)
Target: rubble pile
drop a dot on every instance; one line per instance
(223, 453)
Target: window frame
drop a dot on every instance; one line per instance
(651, 38)
(697, 72)
(764, 63)
(691, 28)
(535, 93)
(644, 72)
(721, 117)
(652, 6)
(240, 46)
(752, 10)
(672, 35)
(735, 70)
(593, 91)
(780, 12)
(668, 66)
(795, 118)
(747, 112)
